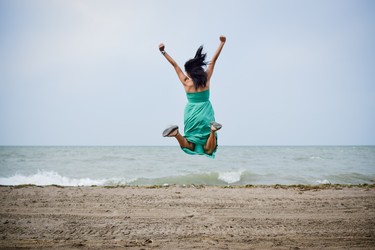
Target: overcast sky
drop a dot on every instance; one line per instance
(89, 72)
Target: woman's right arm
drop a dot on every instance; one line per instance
(183, 78)
(210, 68)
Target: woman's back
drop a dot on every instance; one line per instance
(189, 87)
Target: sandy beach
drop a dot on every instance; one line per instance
(177, 217)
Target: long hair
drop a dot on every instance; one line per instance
(195, 69)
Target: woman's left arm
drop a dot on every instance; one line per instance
(183, 78)
(211, 66)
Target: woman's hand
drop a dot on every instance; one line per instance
(161, 47)
(223, 39)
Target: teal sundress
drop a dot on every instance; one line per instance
(197, 118)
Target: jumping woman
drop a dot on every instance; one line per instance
(199, 119)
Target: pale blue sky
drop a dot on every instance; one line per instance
(89, 72)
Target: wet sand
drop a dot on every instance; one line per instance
(176, 217)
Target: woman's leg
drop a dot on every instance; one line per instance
(183, 142)
(173, 132)
(211, 143)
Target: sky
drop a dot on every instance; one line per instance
(80, 72)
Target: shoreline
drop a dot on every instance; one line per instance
(177, 217)
(276, 186)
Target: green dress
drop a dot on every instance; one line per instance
(197, 118)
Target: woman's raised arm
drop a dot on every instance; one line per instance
(211, 65)
(183, 78)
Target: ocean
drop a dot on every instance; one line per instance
(149, 165)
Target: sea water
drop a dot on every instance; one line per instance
(86, 166)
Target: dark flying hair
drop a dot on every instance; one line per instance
(195, 69)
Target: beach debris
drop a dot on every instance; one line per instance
(165, 185)
(147, 241)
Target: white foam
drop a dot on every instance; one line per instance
(325, 181)
(49, 178)
(316, 158)
(230, 177)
